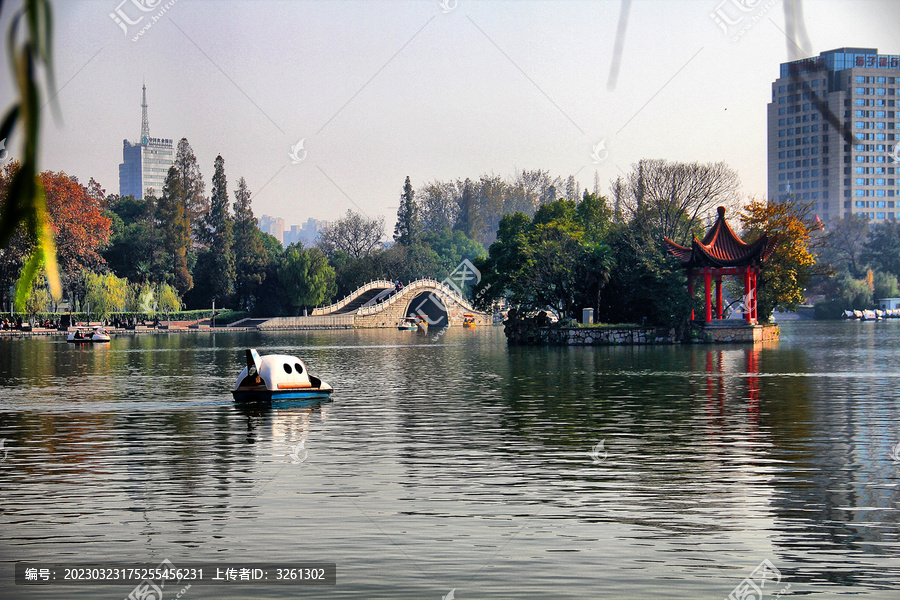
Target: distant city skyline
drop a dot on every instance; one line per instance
(306, 232)
(328, 106)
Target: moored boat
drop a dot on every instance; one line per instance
(468, 321)
(407, 324)
(277, 377)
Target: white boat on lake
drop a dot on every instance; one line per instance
(277, 377)
(87, 335)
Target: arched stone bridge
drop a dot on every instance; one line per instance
(378, 304)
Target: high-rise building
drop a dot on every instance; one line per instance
(274, 226)
(832, 127)
(310, 231)
(293, 236)
(145, 163)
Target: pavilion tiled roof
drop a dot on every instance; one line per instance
(721, 247)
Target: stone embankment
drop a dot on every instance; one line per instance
(538, 331)
(588, 336)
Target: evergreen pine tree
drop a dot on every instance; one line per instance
(466, 220)
(249, 253)
(618, 192)
(217, 262)
(176, 231)
(192, 188)
(407, 229)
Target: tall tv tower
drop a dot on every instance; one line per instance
(145, 122)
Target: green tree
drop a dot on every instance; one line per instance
(844, 246)
(595, 216)
(467, 219)
(501, 267)
(191, 188)
(408, 228)
(785, 275)
(135, 246)
(491, 194)
(351, 273)
(550, 274)
(176, 233)
(408, 263)
(39, 300)
(545, 262)
(214, 273)
(884, 285)
(452, 246)
(105, 292)
(141, 299)
(647, 284)
(853, 294)
(438, 206)
(307, 278)
(249, 253)
(881, 249)
(167, 299)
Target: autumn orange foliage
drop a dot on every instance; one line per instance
(79, 226)
(76, 220)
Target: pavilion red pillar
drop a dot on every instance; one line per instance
(748, 300)
(708, 293)
(719, 297)
(690, 278)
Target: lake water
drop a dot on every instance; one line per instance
(454, 463)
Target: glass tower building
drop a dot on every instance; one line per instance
(832, 127)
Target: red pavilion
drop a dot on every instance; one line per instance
(721, 252)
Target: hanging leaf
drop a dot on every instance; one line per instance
(25, 204)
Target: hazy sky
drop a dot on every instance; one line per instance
(381, 90)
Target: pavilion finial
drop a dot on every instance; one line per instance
(721, 212)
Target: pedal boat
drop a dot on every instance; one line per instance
(86, 335)
(277, 377)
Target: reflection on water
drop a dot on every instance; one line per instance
(453, 462)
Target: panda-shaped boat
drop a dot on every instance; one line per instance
(277, 377)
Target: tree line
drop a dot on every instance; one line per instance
(539, 241)
(608, 254)
(858, 264)
(176, 245)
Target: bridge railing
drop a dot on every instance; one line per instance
(378, 283)
(414, 285)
